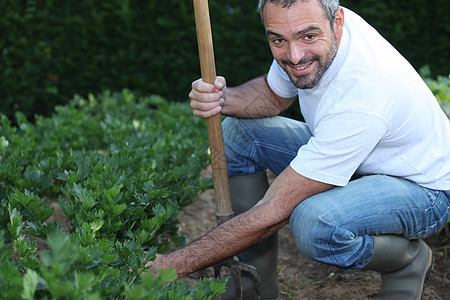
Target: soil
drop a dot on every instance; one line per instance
(302, 278)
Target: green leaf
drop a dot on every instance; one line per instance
(3, 144)
(209, 289)
(30, 281)
(15, 226)
(6, 249)
(62, 253)
(31, 206)
(84, 284)
(38, 180)
(118, 209)
(110, 258)
(112, 195)
(84, 196)
(96, 225)
(10, 281)
(164, 276)
(180, 290)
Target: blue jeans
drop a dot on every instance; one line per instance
(335, 227)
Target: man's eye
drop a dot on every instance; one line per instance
(277, 41)
(309, 37)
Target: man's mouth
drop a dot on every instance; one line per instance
(301, 69)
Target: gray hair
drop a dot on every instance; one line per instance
(330, 7)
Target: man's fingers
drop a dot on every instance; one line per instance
(204, 106)
(206, 110)
(203, 87)
(220, 82)
(208, 114)
(206, 97)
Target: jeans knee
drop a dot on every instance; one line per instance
(227, 127)
(255, 145)
(235, 129)
(307, 231)
(320, 236)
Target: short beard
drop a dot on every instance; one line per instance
(305, 81)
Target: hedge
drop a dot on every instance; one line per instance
(53, 49)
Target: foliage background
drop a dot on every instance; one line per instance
(53, 49)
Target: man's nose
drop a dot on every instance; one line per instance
(295, 53)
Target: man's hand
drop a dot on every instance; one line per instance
(155, 265)
(246, 229)
(207, 99)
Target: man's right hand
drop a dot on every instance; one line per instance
(207, 99)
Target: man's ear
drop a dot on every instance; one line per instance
(339, 23)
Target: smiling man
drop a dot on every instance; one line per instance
(361, 183)
(306, 47)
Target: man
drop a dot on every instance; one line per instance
(361, 183)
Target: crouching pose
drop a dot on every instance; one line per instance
(361, 182)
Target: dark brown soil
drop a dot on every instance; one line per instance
(302, 278)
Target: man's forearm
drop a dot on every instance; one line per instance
(246, 229)
(254, 99)
(221, 243)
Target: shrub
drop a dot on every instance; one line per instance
(440, 88)
(411, 27)
(54, 49)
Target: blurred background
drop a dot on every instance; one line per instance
(51, 50)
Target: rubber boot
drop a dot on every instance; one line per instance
(245, 192)
(404, 265)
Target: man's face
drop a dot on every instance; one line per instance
(302, 40)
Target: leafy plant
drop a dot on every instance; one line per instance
(120, 167)
(440, 88)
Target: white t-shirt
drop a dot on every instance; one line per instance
(371, 113)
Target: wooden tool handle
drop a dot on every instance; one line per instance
(208, 70)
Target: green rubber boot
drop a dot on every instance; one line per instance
(404, 265)
(245, 192)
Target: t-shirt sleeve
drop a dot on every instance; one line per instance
(279, 82)
(340, 143)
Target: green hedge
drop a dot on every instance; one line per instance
(419, 30)
(440, 88)
(53, 49)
